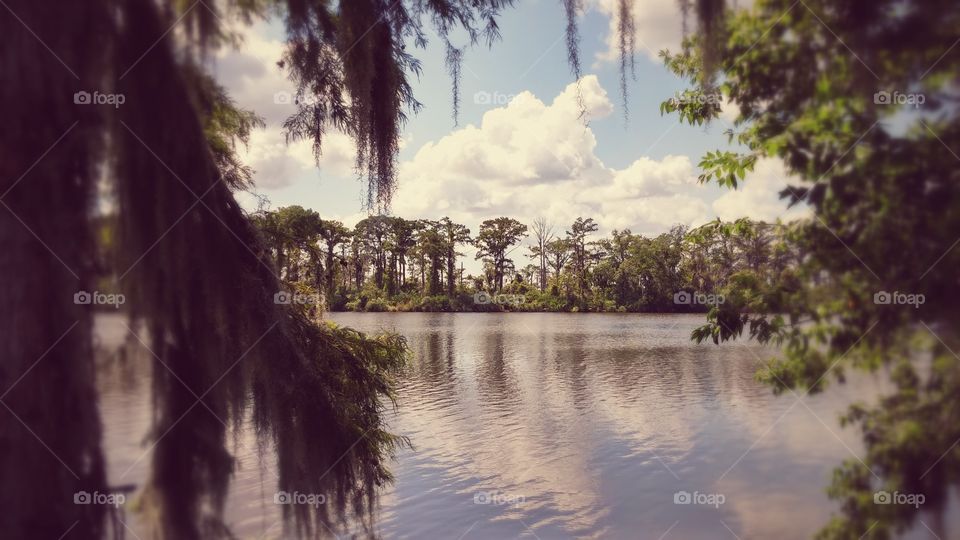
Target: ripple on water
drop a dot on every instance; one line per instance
(555, 426)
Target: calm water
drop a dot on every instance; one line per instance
(562, 426)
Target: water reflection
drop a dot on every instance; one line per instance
(560, 426)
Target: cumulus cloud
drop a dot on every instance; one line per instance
(530, 158)
(526, 158)
(659, 25)
(758, 195)
(275, 164)
(278, 164)
(255, 82)
(251, 74)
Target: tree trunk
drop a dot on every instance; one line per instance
(451, 265)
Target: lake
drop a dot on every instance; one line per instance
(535, 425)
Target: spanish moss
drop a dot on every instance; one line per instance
(572, 10)
(626, 34)
(454, 60)
(354, 63)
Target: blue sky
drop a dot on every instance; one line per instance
(518, 149)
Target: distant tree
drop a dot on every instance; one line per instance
(617, 250)
(752, 241)
(492, 242)
(542, 233)
(358, 259)
(453, 234)
(373, 232)
(580, 256)
(433, 246)
(333, 234)
(529, 273)
(402, 240)
(557, 255)
(293, 232)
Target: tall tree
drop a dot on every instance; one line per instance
(618, 249)
(494, 239)
(542, 233)
(557, 255)
(433, 248)
(373, 233)
(453, 234)
(402, 238)
(333, 234)
(580, 257)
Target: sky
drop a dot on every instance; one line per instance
(518, 148)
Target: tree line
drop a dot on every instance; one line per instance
(389, 263)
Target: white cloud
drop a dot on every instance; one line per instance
(527, 158)
(530, 158)
(729, 111)
(658, 23)
(252, 77)
(251, 74)
(758, 195)
(278, 164)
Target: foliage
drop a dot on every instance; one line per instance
(817, 86)
(625, 272)
(322, 411)
(492, 242)
(351, 65)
